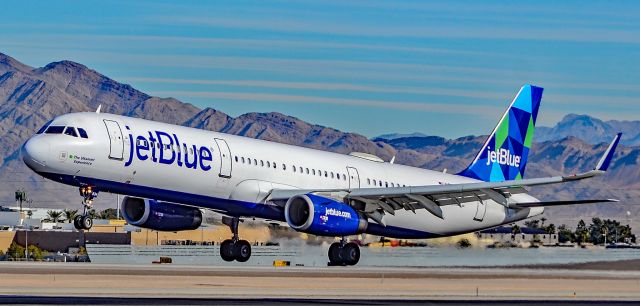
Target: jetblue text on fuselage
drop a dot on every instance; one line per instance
(159, 147)
(502, 157)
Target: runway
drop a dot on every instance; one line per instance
(81, 283)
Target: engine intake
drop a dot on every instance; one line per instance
(160, 216)
(309, 213)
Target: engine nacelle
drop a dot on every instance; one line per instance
(160, 216)
(309, 213)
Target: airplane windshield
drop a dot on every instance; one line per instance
(71, 131)
(55, 129)
(44, 127)
(83, 133)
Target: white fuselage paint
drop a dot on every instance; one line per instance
(98, 157)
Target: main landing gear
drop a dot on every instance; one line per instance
(234, 249)
(84, 221)
(343, 253)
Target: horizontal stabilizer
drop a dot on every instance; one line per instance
(560, 203)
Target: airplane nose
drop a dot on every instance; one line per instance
(35, 153)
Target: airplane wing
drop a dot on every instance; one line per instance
(433, 197)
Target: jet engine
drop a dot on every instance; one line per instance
(160, 216)
(309, 213)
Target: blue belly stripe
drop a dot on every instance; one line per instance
(226, 206)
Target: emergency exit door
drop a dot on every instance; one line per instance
(353, 177)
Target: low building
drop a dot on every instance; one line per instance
(505, 234)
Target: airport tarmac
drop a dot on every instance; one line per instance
(35, 282)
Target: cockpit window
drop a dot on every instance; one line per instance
(83, 133)
(71, 131)
(54, 129)
(44, 127)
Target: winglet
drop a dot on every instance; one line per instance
(605, 160)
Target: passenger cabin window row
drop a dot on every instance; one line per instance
(380, 183)
(60, 129)
(295, 169)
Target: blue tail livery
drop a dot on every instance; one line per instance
(504, 155)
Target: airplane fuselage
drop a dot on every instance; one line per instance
(234, 175)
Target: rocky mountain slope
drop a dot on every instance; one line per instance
(591, 130)
(31, 96)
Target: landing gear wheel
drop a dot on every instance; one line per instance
(76, 222)
(86, 222)
(351, 254)
(227, 248)
(234, 248)
(336, 256)
(242, 250)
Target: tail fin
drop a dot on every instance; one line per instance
(504, 154)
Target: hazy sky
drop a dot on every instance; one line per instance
(370, 67)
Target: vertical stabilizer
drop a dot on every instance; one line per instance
(504, 155)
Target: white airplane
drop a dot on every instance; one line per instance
(170, 173)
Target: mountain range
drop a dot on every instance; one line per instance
(31, 96)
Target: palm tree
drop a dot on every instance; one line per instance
(542, 221)
(54, 216)
(69, 215)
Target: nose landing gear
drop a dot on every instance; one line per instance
(84, 221)
(344, 254)
(234, 248)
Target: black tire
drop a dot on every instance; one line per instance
(227, 250)
(336, 255)
(351, 254)
(76, 222)
(86, 222)
(242, 250)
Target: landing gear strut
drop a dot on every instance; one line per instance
(343, 253)
(234, 248)
(84, 221)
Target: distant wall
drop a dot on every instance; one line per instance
(55, 241)
(215, 234)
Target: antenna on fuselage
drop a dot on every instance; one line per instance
(98, 110)
(393, 159)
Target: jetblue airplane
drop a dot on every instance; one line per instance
(171, 173)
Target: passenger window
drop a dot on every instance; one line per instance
(313, 171)
(44, 127)
(386, 184)
(83, 133)
(268, 164)
(325, 174)
(294, 168)
(368, 181)
(71, 131)
(284, 167)
(274, 165)
(236, 157)
(374, 182)
(331, 174)
(242, 158)
(54, 129)
(255, 162)
(307, 170)
(261, 163)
